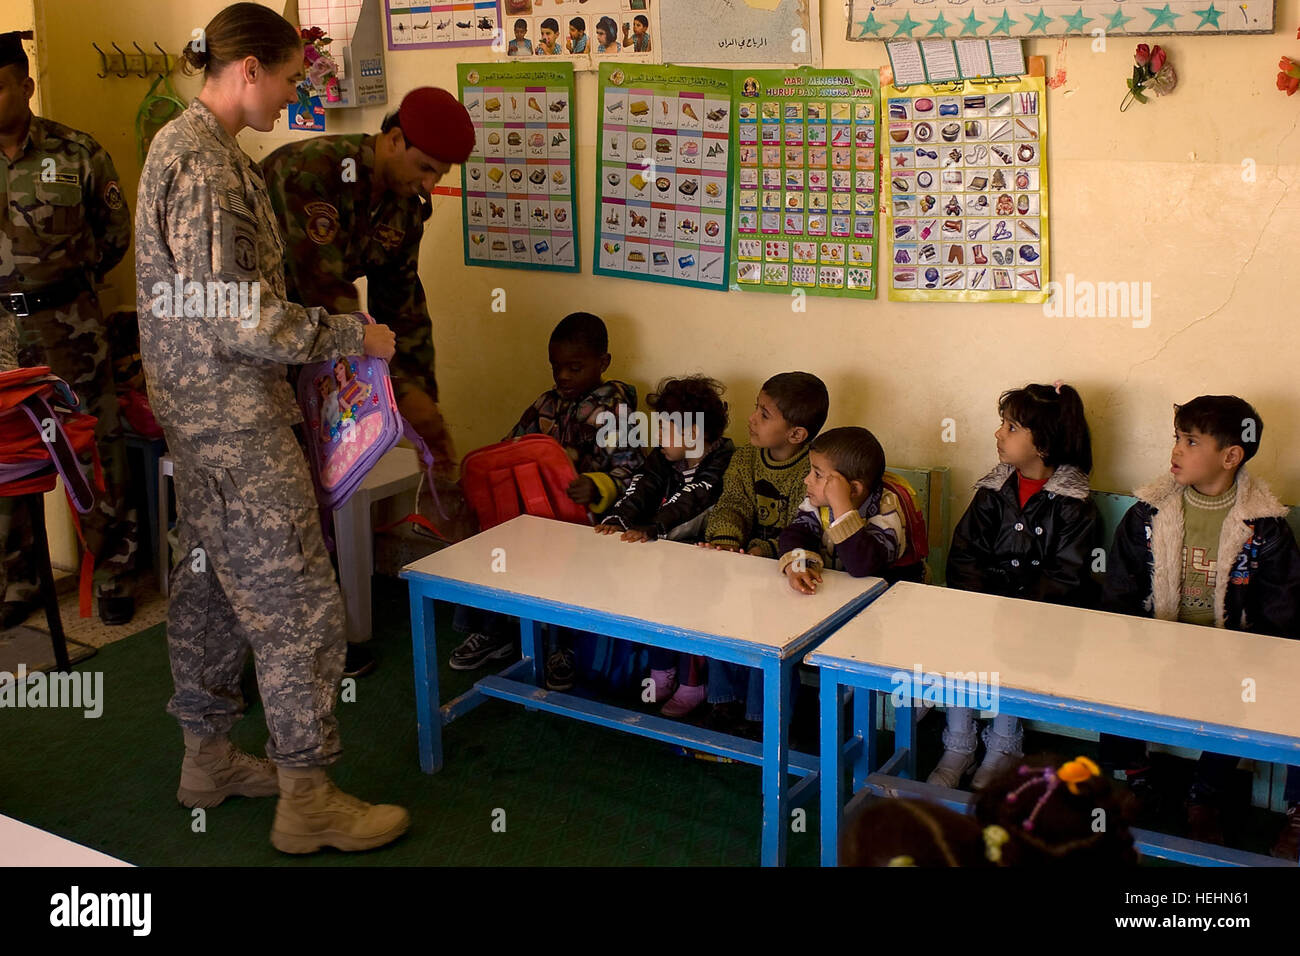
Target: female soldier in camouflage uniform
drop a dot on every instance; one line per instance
(254, 572)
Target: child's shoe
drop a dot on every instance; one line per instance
(1287, 846)
(665, 683)
(952, 766)
(559, 670)
(994, 765)
(685, 700)
(477, 649)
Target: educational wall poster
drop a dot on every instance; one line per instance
(806, 161)
(584, 32)
(663, 154)
(426, 24)
(517, 185)
(925, 19)
(966, 191)
(784, 32)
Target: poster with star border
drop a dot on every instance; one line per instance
(517, 193)
(805, 182)
(928, 20)
(966, 191)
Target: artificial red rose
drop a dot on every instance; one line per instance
(1284, 64)
(1288, 83)
(1143, 55)
(1157, 59)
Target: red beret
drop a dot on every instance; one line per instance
(435, 122)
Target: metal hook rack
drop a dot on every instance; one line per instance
(142, 63)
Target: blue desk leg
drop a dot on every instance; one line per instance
(905, 738)
(424, 645)
(776, 759)
(864, 726)
(832, 773)
(530, 641)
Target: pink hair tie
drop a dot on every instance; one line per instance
(1057, 385)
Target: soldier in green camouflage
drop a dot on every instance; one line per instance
(216, 332)
(351, 206)
(66, 225)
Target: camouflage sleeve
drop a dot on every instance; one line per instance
(313, 270)
(213, 240)
(396, 298)
(106, 211)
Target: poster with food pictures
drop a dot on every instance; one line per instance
(966, 192)
(663, 155)
(517, 185)
(805, 172)
(583, 32)
(424, 25)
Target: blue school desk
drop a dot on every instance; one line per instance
(730, 607)
(1152, 680)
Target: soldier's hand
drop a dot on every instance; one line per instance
(380, 342)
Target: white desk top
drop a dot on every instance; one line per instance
(1162, 667)
(663, 583)
(23, 845)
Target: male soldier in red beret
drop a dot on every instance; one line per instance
(355, 205)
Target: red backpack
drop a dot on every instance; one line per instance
(528, 475)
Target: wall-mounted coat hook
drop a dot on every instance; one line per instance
(126, 70)
(167, 59)
(103, 60)
(144, 61)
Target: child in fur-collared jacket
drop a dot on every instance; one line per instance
(1028, 533)
(1207, 544)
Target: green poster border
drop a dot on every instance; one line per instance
(777, 77)
(666, 78)
(512, 72)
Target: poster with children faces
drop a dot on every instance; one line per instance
(423, 25)
(806, 155)
(517, 185)
(966, 192)
(663, 205)
(583, 32)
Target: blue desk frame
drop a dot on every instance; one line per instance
(846, 683)
(522, 681)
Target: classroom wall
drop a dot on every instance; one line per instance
(1160, 194)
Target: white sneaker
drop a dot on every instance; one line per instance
(952, 766)
(994, 765)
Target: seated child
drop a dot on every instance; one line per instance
(1028, 533)
(1207, 544)
(670, 498)
(572, 413)
(761, 492)
(1032, 815)
(853, 519)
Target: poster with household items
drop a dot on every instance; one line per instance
(583, 32)
(805, 194)
(966, 191)
(662, 175)
(517, 185)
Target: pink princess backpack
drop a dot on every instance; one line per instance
(351, 421)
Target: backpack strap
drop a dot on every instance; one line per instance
(505, 500)
(80, 493)
(528, 478)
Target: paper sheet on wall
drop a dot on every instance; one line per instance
(662, 174)
(966, 192)
(517, 185)
(584, 35)
(741, 31)
(805, 181)
(427, 24)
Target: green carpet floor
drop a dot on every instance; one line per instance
(573, 794)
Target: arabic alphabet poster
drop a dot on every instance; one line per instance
(517, 185)
(806, 150)
(755, 32)
(966, 191)
(663, 156)
(925, 19)
(413, 25)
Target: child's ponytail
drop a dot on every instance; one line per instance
(1054, 414)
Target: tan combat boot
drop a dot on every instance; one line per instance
(313, 813)
(214, 769)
